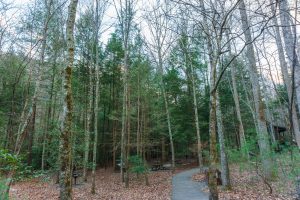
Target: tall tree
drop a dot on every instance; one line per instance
(223, 154)
(242, 138)
(99, 13)
(290, 41)
(66, 129)
(86, 39)
(262, 132)
(125, 15)
(159, 47)
(191, 75)
(199, 145)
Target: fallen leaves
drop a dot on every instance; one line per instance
(199, 177)
(108, 187)
(247, 185)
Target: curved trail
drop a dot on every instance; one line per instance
(184, 188)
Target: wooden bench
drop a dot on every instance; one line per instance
(156, 166)
(167, 166)
(159, 166)
(75, 174)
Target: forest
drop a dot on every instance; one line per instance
(149, 99)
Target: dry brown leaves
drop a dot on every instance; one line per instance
(199, 177)
(247, 185)
(108, 187)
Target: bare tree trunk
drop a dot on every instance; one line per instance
(199, 146)
(160, 65)
(141, 130)
(125, 17)
(191, 85)
(248, 102)
(242, 138)
(66, 129)
(224, 162)
(212, 179)
(286, 78)
(128, 136)
(88, 125)
(290, 49)
(48, 122)
(238, 112)
(138, 134)
(95, 125)
(114, 145)
(213, 157)
(159, 31)
(31, 133)
(269, 115)
(96, 98)
(163, 150)
(123, 132)
(262, 133)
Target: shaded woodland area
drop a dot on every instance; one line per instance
(120, 95)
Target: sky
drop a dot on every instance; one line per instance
(110, 17)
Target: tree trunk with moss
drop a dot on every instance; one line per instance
(65, 150)
(223, 154)
(212, 174)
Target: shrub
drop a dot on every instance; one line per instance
(137, 165)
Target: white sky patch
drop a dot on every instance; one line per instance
(110, 21)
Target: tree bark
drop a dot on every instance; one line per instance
(96, 109)
(285, 75)
(159, 31)
(212, 179)
(224, 162)
(138, 134)
(88, 125)
(160, 69)
(125, 16)
(290, 49)
(262, 133)
(238, 111)
(48, 122)
(66, 129)
(128, 121)
(199, 146)
(213, 158)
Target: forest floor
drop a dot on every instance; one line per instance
(108, 187)
(248, 185)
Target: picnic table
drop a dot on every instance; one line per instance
(156, 166)
(160, 166)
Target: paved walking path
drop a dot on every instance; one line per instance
(184, 188)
